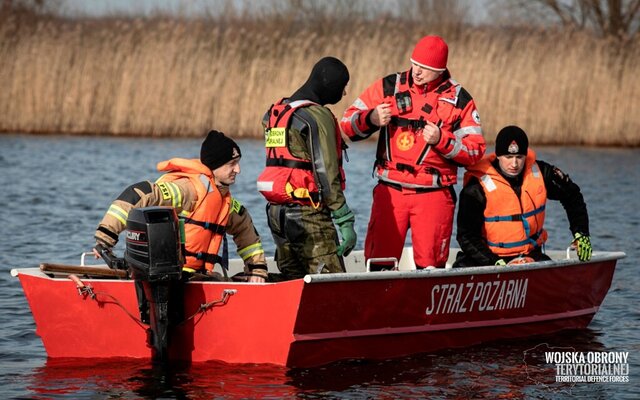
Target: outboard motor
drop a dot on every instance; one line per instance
(153, 255)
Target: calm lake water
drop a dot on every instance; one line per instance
(56, 189)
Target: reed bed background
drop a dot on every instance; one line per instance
(165, 76)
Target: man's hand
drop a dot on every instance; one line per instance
(257, 273)
(256, 279)
(96, 253)
(101, 250)
(381, 115)
(582, 244)
(345, 219)
(521, 260)
(431, 133)
(100, 247)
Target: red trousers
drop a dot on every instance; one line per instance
(429, 215)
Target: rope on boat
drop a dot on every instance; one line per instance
(87, 291)
(226, 294)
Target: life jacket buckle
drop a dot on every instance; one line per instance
(405, 167)
(302, 194)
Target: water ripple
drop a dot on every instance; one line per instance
(59, 188)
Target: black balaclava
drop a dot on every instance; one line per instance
(325, 84)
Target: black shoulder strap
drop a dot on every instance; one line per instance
(282, 162)
(279, 114)
(403, 77)
(463, 99)
(389, 85)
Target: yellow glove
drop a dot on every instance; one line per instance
(582, 244)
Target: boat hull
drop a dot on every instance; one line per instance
(392, 317)
(325, 318)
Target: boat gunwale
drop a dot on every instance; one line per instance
(364, 276)
(480, 270)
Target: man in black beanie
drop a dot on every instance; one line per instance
(217, 151)
(199, 192)
(503, 201)
(303, 180)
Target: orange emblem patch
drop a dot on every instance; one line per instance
(405, 141)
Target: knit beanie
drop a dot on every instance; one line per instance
(511, 140)
(217, 150)
(431, 52)
(326, 83)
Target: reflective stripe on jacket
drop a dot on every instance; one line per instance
(287, 178)
(512, 225)
(403, 156)
(205, 226)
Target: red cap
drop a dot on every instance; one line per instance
(431, 52)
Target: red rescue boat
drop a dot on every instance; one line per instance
(328, 317)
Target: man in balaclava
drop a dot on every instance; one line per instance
(303, 180)
(429, 126)
(199, 192)
(502, 206)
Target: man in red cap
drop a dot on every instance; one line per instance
(503, 202)
(429, 126)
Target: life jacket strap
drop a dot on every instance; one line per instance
(206, 257)
(215, 228)
(533, 240)
(415, 124)
(515, 217)
(209, 258)
(399, 166)
(415, 190)
(283, 162)
(278, 114)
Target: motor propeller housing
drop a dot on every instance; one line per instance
(154, 258)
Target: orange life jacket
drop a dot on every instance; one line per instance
(286, 178)
(206, 225)
(403, 156)
(512, 225)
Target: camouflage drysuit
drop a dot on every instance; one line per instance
(305, 236)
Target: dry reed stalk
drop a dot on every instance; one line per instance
(173, 77)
